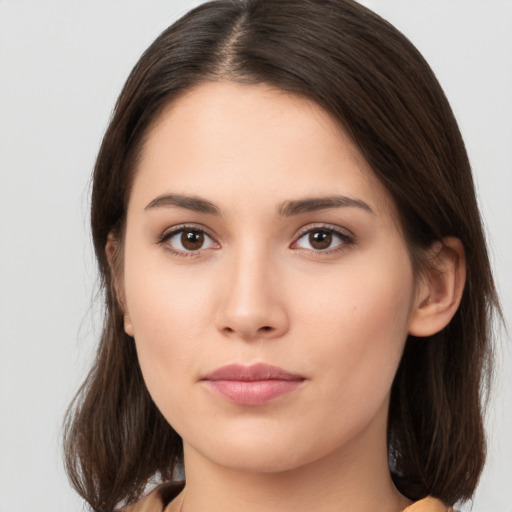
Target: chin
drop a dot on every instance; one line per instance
(260, 454)
(262, 462)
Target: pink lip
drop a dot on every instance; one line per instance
(252, 385)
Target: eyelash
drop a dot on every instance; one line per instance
(346, 239)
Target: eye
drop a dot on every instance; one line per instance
(186, 241)
(323, 239)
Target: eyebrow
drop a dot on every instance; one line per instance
(193, 203)
(312, 204)
(287, 209)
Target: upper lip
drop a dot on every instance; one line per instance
(254, 372)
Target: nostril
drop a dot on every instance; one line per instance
(266, 328)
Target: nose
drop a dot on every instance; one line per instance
(252, 304)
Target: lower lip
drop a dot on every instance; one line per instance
(256, 392)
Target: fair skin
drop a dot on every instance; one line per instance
(323, 290)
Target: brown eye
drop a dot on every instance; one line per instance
(320, 240)
(323, 240)
(187, 241)
(192, 240)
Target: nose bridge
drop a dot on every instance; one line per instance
(252, 306)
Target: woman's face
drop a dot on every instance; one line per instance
(266, 281)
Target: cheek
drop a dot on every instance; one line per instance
(161, 297)
(361, 323)
(169, 315)
(168, 328)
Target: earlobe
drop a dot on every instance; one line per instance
(114, 257)
(128, 327)
(440, 290)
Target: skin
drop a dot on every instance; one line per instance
(256, 290)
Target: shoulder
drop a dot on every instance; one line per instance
(156, 500)
(429, 505)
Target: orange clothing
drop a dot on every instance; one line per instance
(153, 503)
(428, 505)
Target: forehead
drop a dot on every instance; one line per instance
(222, 140)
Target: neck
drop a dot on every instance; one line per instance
(356, 480)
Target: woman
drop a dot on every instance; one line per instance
(298, 293)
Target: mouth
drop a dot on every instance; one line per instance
(257, 384)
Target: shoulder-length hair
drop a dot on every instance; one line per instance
(383, 93)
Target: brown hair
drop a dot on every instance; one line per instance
(373, 80)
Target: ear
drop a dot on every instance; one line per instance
(113, 251)
(440, 288)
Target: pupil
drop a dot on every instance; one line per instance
(320, 239)
(192, 240)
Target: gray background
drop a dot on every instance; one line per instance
(62, 64)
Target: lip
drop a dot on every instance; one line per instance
(256, 384)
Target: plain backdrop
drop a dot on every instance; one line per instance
(62, 64)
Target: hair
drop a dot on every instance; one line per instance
(372, 79)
